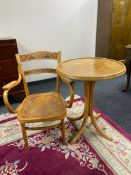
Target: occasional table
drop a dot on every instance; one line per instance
(90, 70)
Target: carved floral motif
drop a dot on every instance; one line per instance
(79, 151)
(11, 168)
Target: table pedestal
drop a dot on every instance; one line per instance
(88, 112)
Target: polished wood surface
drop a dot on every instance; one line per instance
(41, 107)
(43, 55)
(8, 66)
(8, 49)
(40, 55)
(90, 70)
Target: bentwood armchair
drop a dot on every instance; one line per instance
(41, 107)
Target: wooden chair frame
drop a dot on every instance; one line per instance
(21, 77)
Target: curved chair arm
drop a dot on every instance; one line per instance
(6, 89)
(71, 89)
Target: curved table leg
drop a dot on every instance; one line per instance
(88, 111)
(96, 115)
(93, 120)
(77, 136)
(84, 115)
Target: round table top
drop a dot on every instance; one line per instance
(91, 68)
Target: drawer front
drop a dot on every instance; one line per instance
(4, 81)
(8, 68)
(8, 49)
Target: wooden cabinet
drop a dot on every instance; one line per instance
(8, 66)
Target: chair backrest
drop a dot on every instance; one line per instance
(39, 55)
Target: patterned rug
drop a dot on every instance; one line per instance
(90, 155)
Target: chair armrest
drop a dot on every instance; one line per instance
(13, 83)
(10, 85)
(6, 89)
(67, 80)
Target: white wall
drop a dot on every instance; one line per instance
(66, 25)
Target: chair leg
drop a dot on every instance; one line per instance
(63, 131)
(24, 135)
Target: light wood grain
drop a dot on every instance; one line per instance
(90, 70)
(41, 107)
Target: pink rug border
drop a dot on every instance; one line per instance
(109, 120)
(7, 120)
